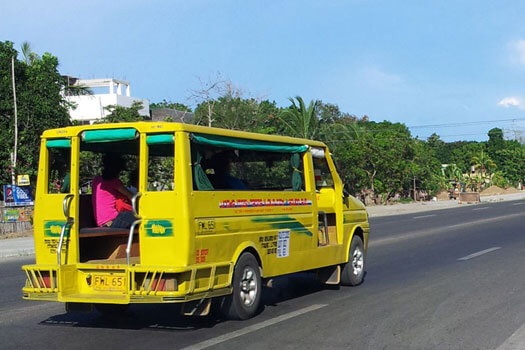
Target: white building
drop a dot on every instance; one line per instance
(92, 107)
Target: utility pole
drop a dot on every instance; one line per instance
(414, 188)
(13, 165)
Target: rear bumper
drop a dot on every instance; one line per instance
(137, 284)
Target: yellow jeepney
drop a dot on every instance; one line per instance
(199, 235)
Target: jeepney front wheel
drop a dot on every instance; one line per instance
(244, 302)
(354, 270)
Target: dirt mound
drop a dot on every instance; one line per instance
(511, 190)
(492, 190)
(495, 190)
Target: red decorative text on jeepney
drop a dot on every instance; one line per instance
(257, 203)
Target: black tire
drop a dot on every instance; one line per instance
(354, 270)
(244, 301)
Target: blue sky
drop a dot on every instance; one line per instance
(416, 62)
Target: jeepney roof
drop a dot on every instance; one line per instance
(163, 127)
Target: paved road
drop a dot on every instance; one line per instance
(448, 279)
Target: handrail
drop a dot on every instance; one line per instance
(130, 239)
(66, 204)
(134, 203)
(135, 223)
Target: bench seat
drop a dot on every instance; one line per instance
(103, 231)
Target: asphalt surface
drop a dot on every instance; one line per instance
(447, 279)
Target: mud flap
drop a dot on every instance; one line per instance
(197, 307)
(329, 274)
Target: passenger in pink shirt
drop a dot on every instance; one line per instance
(107, 188)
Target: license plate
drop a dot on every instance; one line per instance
(109, 282)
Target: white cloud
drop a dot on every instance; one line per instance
(511, 102)
(517, 49)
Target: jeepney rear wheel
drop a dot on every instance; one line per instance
(244, 301)
(354, 270)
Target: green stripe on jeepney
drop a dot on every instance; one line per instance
(58, 143)
(159, 139)
(158, 228)
(284, 222)
(109, 135)
(247, 144)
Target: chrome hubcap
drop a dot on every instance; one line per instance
(249, 288)
(357, 262)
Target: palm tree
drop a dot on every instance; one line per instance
(483, 162)
(73, 88)
(452, 172)
(302, 121)
(77, 90)
(29, 56)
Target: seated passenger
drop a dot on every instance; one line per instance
(221, 178)
(107, 190)
(66, 183)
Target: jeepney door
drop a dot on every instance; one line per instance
(326, 199)
(56, 201)
(158, 201)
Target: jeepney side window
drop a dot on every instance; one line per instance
(241, 170)
(161, 165)
(323, 176)
(58, 167)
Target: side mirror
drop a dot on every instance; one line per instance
(346, 196)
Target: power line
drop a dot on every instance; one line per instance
(357, 130)
(401, 138)
(466, 123)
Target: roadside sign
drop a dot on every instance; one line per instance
(23, 180)
(17, 195)
(18, 214)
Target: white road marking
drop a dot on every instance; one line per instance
(423, 216)
(519, 203)
(516, 341)
(252, 328)
(481, 208)
(473, 255)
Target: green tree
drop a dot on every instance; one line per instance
(484, 164)
(441, 149)
(300, 120)
(378, 159)
(426, 168)
(171, 105)
(452, 172)
(40, 105)
(462, 154)
(495, 143)
(512, 166)
(119, 114)
(236, 113)
(27, 52)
